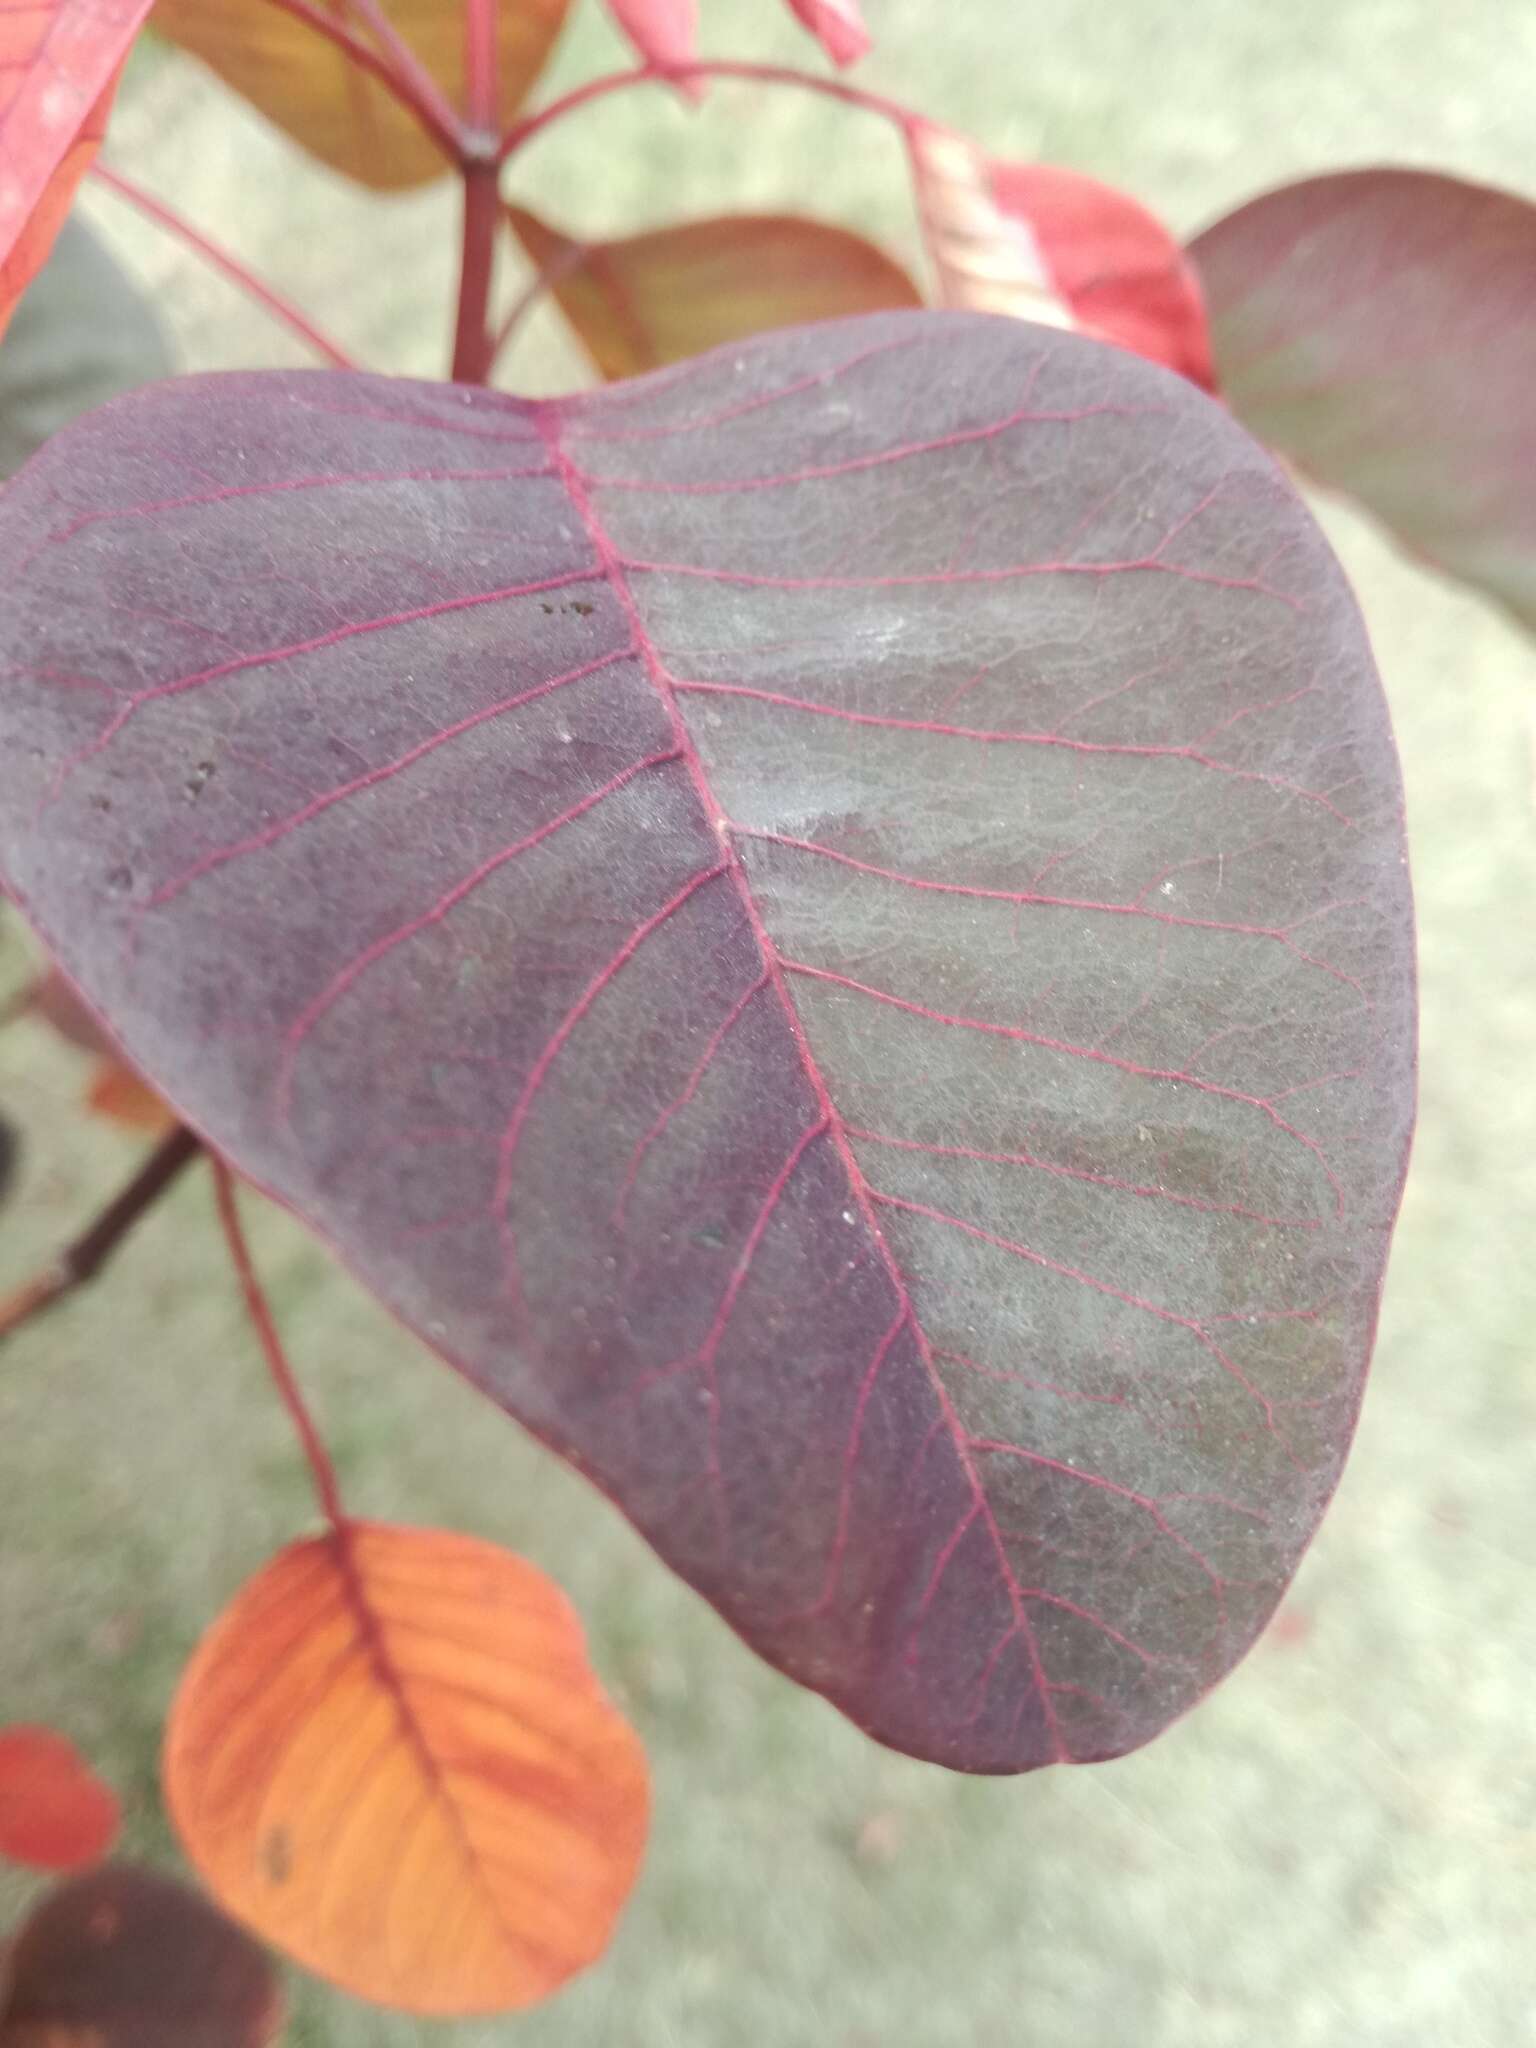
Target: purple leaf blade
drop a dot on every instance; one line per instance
(1373, 326)
(830, 926)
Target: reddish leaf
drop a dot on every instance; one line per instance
(125, 1958)
(58, 64)
(838, 26)
(658, 298)
(55, 1813)
(662, 31)
(830, 925)
(1116, 266)
(506, 1802)
(1375, 326)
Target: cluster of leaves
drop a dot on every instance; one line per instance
(980, 1325)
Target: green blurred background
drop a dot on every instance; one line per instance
(1340, 1846)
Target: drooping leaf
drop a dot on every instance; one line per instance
(1115, 265)
(985, 260)
(657, 298)
(1375, 327)
(838, 25)
(127, 1958)
(662, 31)
(389, 1756)
(55, 1813)
(307, 86)
(58, 64)
(830, 925)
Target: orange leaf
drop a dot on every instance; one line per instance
(305, 84)
(58, 66)
(660, 297)
(118, 1094)
(124, 1958)
(390, 1757)
(55, 1813)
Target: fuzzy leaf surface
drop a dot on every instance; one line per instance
(830, 925)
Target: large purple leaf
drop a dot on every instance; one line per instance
(1376, 327)
(830, 925)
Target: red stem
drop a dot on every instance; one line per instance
(522, 132)
(271, 301)
(474, 346)
(277, 1364)
(398, 69)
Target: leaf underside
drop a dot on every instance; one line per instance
(829, 925)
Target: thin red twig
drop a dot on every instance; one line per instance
(270, 301)
(523, 132)
(413, 87)
(256, 1303)
(474, 346)
(417, 86)
(542, 281)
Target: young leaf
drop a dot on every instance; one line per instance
(307, 86)
(838, 25)
(55, 1813)
(58, 65)
(390, 1757)
(985, 259)
(1375, 327)
(1113, 263)
(126, 1958)
(657, 298)
(829, 925)
(662, 31)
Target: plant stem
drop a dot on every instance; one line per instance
(474, 346)
(319, 1458)
(524, 131)
(271, 302)
(84, 1259)
(397, 69)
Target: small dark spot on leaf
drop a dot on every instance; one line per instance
(119, 879)
(710, 1239)
(581, 608)
(195, 781)
(546, 606)
(277, 1855)
(101, 803)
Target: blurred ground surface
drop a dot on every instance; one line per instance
(1340, 1847)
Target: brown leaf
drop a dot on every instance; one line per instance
(125, 1958)
(307, 86)
(661, 297)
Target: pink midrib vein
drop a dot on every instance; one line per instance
(547, 417)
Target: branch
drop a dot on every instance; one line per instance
(524, 131)
(270, 301)
(84, 1259)
(260, 1312)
